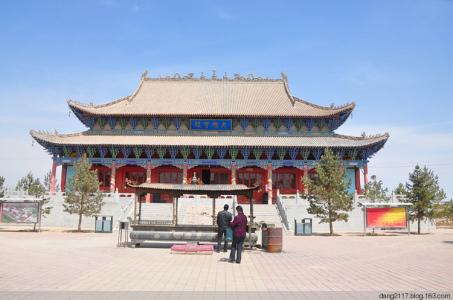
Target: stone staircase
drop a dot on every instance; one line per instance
(264, 213)
(198, 210)
(157, 211)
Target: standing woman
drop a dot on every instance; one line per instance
(239, 226)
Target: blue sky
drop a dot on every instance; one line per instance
(394, 58)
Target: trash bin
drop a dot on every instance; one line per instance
(307, 226)
(304, 228)
(298, 228)
(103, 224)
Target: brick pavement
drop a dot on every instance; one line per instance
(57, 261)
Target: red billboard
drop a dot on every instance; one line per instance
(386, 217)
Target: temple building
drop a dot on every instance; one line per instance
(221, 130)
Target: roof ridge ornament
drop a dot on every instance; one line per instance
(214, 76)
(144, 74)
(284, 77)
(285, 83)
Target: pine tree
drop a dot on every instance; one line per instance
(85, 198)
(328, 196)
(446, 211)
(48, 182)
(400, 192)
(35, 188)
(2, 188)
(423, 191)
(31, 185)
(374, 190)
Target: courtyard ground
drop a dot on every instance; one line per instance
(357, 267)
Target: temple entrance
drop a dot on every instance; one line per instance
(288, 180)
(210, 174)
(252, 176)
(165, 174)
(130, 172)
(206, 176)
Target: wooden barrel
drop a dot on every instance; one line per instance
(274, 240)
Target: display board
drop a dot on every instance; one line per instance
(394, 217)
(19, 212)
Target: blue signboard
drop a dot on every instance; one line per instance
(211, 124)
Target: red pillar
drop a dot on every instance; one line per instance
(269, 184)
(53, 177)
(113, 178)
(365, 174)
(148, 180)
(357, 180)
(64, 168)
(305, 176)
(233, 173)
(184, 174)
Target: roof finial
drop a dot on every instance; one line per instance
(202, 77)
(214, 76)
(284, 77)
(225, 76)
(144, 74)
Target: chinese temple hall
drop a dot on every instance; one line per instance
(240, 130)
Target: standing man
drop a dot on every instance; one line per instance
(239, 226)
(223, 221)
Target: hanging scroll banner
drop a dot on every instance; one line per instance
(395, 217)
(211, 124)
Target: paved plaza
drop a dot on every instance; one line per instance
(88, 262)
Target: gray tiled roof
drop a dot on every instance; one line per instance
(198, 97)
(85, 138)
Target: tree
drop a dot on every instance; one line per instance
(2, 188)
(48, 182)
(85, 198)
(328, 196)
(444, 210)
(35, 188)
(447, 211)
(423, 192)
(400, 192)
(375, 191)
(31, 185)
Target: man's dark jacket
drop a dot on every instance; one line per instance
(223, 219)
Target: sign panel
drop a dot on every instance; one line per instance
(19, 212)
(386, 217)
(211, 124)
